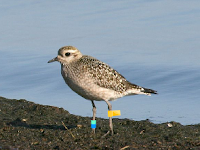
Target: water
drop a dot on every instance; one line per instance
(153, 44)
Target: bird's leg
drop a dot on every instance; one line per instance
(94, 114)
(110, 118)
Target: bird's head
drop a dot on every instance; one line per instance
(67, 55)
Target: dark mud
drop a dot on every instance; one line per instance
(26, 125)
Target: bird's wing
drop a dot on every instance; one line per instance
(105, 76)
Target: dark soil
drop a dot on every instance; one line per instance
(26, 125)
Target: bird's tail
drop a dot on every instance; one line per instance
(135, 89)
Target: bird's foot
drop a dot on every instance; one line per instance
(107, 133)
(93, 131)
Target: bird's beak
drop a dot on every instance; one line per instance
(52, 60)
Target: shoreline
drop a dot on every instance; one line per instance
(26, 125)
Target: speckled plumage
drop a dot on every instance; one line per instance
(93, 79)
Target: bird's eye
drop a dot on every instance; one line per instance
(67, 54)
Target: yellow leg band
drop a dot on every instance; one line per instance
(112, 113)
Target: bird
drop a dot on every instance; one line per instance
(95, 80)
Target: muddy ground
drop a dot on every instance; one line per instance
(26, 125)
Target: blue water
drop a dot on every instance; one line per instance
(154, 44)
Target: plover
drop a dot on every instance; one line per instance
(95, 80)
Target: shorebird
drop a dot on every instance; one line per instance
(95, 80)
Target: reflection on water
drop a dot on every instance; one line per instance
(150, 45)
